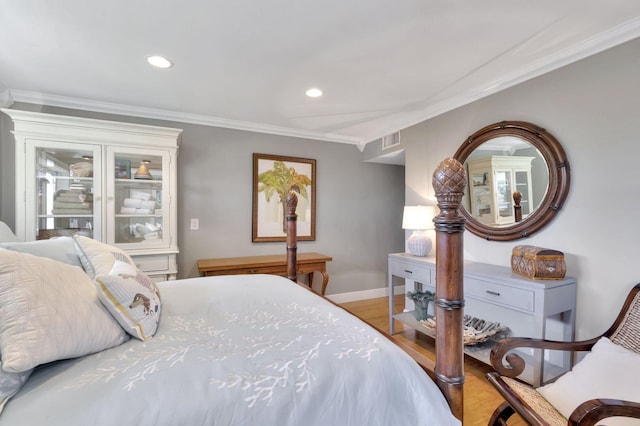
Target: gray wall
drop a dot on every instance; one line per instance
(592, 108)
(359, 205)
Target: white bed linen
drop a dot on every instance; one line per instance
(238, 350)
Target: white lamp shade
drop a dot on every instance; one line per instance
(418, 217)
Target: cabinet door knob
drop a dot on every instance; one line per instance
(493, 293)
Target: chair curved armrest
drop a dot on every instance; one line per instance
(594, 410)
(512, 365)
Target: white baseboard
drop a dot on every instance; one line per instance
(354, 296)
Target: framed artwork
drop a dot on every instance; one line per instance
(122, 169)
(273, 177)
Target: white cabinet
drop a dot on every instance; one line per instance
(115, 182)
(543, 309)
(492, 182)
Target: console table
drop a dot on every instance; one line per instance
(276, 264)
(543, 309)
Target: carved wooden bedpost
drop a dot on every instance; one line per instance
(449, 181)
(292, 247)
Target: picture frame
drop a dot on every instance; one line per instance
(122, 168)
(273, 177)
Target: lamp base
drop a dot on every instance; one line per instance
(419, 243)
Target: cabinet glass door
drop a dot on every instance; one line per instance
(137, 197)
(65, 198)
(481, 197)
(523, 185)
(503, 193)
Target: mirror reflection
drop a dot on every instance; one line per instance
(506, 159)
(508, 179)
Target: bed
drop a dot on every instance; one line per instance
(227, 350)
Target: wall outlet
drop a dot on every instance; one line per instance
(195, 224)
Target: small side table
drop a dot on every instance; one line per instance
(307, 263)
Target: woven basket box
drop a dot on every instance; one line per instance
(538, 263)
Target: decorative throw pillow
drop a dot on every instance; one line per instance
(62, 249)
(49, 311)
(97, 257)
(608, 371)
(10, 384)
(133, 299)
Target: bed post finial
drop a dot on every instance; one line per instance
(292, 247)
(449, 182)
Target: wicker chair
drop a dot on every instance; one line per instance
(531, 405)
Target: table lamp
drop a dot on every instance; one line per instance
(419, 219)
(143, 170)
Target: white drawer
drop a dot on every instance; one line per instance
(152, 263)
(502, 295)
(413, 272)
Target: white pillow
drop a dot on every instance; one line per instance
(97, 257)
(133, 300)
(10, 384)
(49, 311)
(62, 249)
(608, 371)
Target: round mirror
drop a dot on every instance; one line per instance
(518, 180)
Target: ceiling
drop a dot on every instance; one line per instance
(246, 64)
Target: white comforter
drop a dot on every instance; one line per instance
(238, 350)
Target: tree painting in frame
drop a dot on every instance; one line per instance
(273, 177)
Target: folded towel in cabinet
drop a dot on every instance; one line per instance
(150, 204)
(140, 195)
(132, 202)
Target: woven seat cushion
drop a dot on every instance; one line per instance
(536, 402)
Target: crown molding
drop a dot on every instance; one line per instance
(591, 46)
(113, 108)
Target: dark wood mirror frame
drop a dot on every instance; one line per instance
(559, 178)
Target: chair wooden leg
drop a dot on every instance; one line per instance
(501, 414)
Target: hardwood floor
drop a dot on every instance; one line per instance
(480, 398)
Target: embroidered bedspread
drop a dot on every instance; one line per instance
(238, 350)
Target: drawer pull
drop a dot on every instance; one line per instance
(493, 293)
(253, 271)
(408, 271)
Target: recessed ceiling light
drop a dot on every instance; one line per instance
(159, 62)
(314, 93)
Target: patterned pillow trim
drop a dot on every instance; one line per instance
(134, 301)
(98, 258)
(130, 323)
